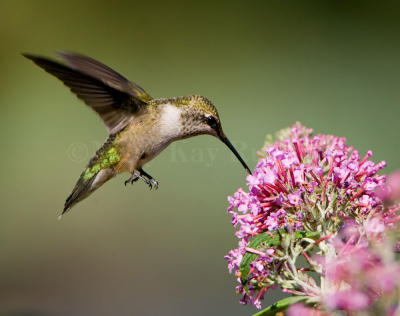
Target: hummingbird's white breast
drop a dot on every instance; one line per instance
(167, 129)
(170, 122)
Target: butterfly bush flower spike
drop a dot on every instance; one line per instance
(318, 198)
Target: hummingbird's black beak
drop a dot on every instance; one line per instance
(226, 141)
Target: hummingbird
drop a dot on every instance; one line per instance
(139, 126)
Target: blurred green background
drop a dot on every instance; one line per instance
(333, 65)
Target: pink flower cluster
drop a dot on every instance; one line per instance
(301, 310)
(364, 270)
(314, 184)
(299, 171)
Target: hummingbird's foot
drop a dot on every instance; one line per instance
(143, 175)
(153, 184)
(133, 178)
(150, 181)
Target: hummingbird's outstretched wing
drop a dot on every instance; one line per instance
(111, 95)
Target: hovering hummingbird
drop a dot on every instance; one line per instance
(139, 126)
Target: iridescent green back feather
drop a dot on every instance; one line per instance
(106, 157)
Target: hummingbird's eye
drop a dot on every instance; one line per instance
(211, 121)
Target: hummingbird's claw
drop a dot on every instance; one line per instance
(154, 183)
(150, 182)
(133, 178)
(141, 174)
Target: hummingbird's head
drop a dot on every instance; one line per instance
(199, 116)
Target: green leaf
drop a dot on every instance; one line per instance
(280, 306)
(265, 240)
(299, 234)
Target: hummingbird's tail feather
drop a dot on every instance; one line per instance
(99, 170)
(83, 188)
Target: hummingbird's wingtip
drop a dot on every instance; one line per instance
(27, 55)
(35, 58)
